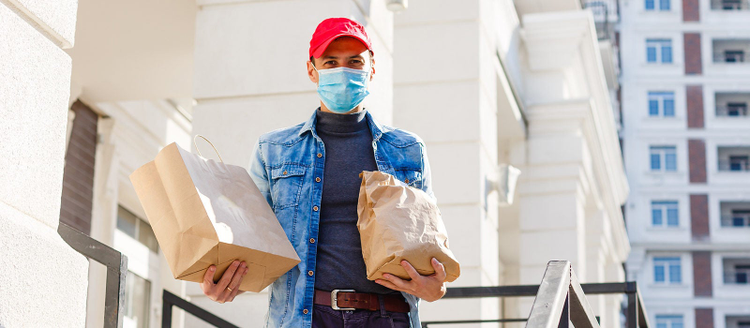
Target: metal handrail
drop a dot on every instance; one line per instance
(169, 300)
(635, 313)
(117, 269)
(560, 300)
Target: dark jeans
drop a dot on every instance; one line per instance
(326, 317)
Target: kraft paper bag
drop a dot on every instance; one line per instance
(203, 213)
(398, 222)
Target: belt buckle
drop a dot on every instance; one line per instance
(335, 301)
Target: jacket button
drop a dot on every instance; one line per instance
(310, 273)
(312, 240)
(315, 208)
(284, 173)
(320, 155)
(305, 311)
(317, 179)
(406, 180)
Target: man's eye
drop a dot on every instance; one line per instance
(330, 62)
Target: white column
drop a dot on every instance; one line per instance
(445, 91)
(251, 78)
(44, 279)
(573, 182)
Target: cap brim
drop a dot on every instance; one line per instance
(323, 46)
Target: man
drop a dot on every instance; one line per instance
(309, 174)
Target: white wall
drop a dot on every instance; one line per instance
(48, 277)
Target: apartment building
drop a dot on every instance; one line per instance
(686, 135)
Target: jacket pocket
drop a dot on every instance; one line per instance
(286, 184)
(411, 177)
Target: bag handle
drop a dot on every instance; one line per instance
(209, 142)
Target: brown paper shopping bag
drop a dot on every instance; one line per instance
(398, 222)
(205, 212)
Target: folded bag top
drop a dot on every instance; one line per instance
(397, 222)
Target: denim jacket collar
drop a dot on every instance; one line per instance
(376, 128)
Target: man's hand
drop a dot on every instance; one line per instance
(429, 288)
(228, 286)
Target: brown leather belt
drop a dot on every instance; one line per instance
(346, 299)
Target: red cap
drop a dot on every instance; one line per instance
(333, 28)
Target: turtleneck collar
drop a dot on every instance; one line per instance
(341, 123)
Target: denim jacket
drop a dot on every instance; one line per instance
(287, 166)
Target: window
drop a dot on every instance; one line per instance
(731, 4)
(659, 51)
(734, 56)
(669, 321)
(137, 301)
(136, 228)
(663, 5)
(736, 109)
(741, 273)
(741, 218)
(663, 158)
(738, 163)
(665, 214)
(661, 104)
(667, 270)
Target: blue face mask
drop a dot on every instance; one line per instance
(342, 88)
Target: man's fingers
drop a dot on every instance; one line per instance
(237, 279)
(387, 284)
(439, 269)
(208, 278)
(398, 282)
(227, 276)
(410, 270)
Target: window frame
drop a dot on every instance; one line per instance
(657, 5)
(661, 98)
(662, 152)
(667, 265)
(664, 207)
(138, 227)
(666, 321)
(659, 46)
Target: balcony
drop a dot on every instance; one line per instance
(731, 51)
(735, 214)
(730, 5)
(732, 104)
(738, 321)
(734, 159)
(606, 15)
(736, 271)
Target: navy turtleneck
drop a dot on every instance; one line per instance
(348, 147)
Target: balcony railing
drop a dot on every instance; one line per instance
(731, 111)
(737, 277)
(738, 166)
(730, 58)
(735, 221)
(606, 15)
(560, 299)
(730, 5)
